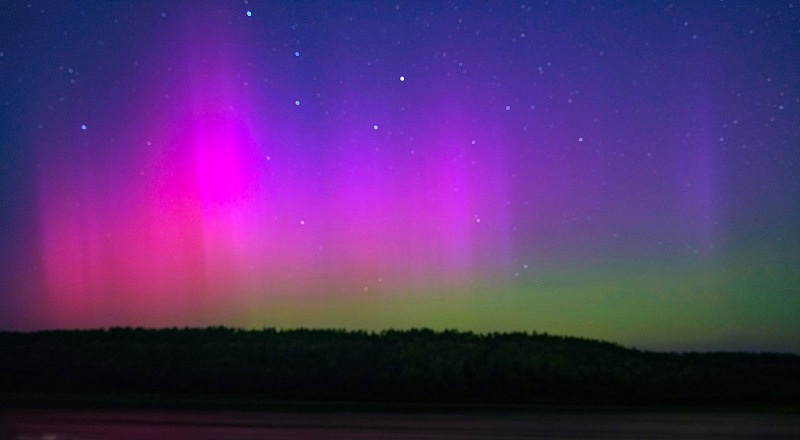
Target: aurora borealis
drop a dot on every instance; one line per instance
(622, 172)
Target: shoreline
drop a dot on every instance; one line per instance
(163, 402)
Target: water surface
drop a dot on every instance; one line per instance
(574, 425)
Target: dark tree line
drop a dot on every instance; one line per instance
(390, 366)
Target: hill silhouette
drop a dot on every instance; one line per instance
(413, 366)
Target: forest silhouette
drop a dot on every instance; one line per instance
(410, 366)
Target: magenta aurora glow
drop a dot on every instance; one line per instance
(627, 173)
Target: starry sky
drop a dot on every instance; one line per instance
(628, 171)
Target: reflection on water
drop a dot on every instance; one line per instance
(198, 425)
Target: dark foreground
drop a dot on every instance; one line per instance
(154, 368)
(194, 425)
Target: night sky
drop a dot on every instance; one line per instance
(628, 171)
